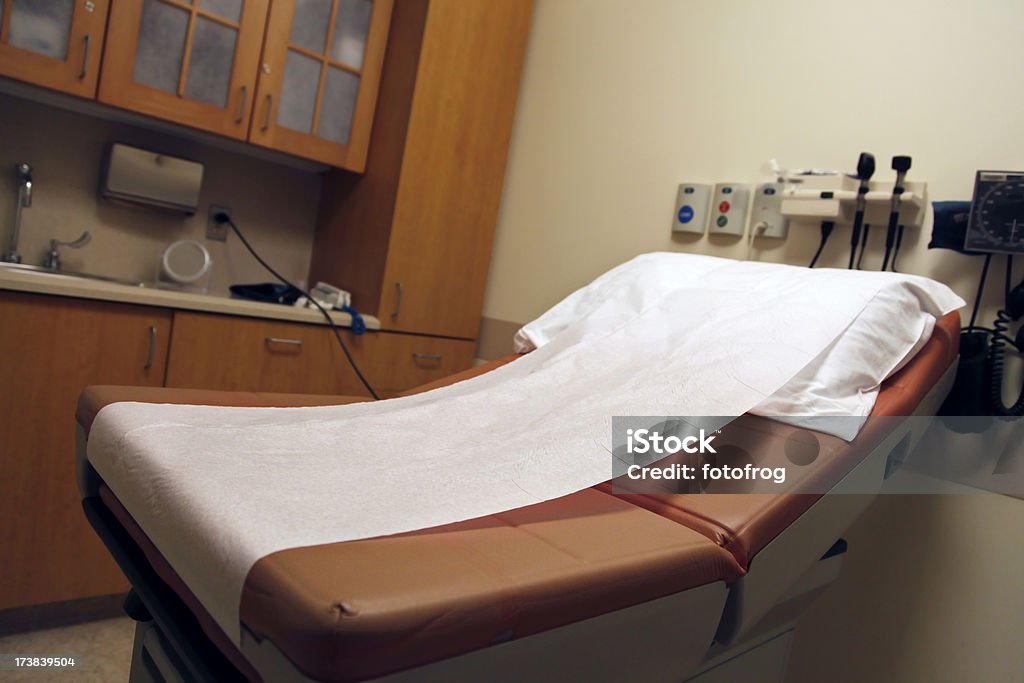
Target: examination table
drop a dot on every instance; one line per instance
(594, 585)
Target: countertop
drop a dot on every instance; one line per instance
(57, 284)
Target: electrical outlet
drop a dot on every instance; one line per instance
(767, 210)
(215, 231)
(691, 208)
(729, 207)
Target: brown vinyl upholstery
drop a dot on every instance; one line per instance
(346, 611)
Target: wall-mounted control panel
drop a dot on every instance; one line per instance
(766, 211)
(691, 208)
(729, 205)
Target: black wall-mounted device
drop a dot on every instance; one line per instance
(997, 213)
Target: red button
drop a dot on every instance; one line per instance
(724, 207)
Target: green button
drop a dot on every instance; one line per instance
(722, 221)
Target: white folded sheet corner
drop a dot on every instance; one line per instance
(216, 489)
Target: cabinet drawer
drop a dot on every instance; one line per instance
(246, 354)
(394, 363)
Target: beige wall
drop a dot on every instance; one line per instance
(274, 205)
(623, 100)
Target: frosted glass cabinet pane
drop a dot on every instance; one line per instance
(161, 45)
(309, 24)
(340, 90)
(229, 9)
(351, 26)
(209, 67)
(298, 92)
(41, 26)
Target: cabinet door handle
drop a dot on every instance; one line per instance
(152, 348)
(282, 340)
(398, 300)
(436, 357)
(241, 107)
(85, 58)
(270, 106)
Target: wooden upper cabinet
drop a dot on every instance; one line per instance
(193, 63)
(411, 239)
(319, 78)
(55, 44)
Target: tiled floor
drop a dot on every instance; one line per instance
(104, 649)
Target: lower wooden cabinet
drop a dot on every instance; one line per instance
(50, 349)
(246, 354)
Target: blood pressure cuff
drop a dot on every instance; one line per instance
(949, 229)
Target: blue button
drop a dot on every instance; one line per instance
(685, 213)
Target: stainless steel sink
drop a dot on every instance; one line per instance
(68, 273)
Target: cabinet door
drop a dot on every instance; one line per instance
(190, 62)
(319, 79)
(53, 43)
(50, 349)
(248, 354)
(454, 166)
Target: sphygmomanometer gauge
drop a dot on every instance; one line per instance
(997, 213)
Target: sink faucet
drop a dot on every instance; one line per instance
(53, 258)
(23, 172)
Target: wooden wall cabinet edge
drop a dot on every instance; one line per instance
(428, 203)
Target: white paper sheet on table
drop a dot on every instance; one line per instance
(216, 489)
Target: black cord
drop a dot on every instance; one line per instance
(996, 365)
(1009, 279)
(863, 245)
(826, 232)
(855, 237)
(896, 249)
(981, 290)
(225, 218)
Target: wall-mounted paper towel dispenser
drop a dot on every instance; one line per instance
(150, 179)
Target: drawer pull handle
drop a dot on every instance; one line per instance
(152, 348)
(241, 107)
(270, 107)
(398, 300)
(436, 357)
(85, 58)
(282, 340)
